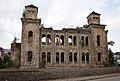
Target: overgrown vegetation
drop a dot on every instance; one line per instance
(110, 60)
(5, 62)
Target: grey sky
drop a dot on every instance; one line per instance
(59, 14)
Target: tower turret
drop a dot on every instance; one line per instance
(30, 12)
(30, 37)
(93, 18)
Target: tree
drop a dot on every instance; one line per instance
(111, 58)
(85, 26)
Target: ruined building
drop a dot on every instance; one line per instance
(62, 48)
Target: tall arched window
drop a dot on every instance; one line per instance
(29, 56)
(48, 39)
(62, 57)
(83, 56)
(99, 57)
(48, 57)
(43, 39)
(57, 57)
(57, 39)
(70, 57)
(86, 40)
(62, 40)
(82, 40)
(87, 57)
(98, 40)
(75, 41)
(30, 36)
(70, 40)
(43, 56)
(75, 57)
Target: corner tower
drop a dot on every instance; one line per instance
(30, 37)
(99, 48)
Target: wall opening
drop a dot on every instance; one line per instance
(98, 40)
(62, 57)
(29, 56)
(43, 39)
(75, 41)
(82, 40)
(48, 57)
(70, 40)
(83, 56)
(99, 57)
(57, 57)
(75, 57)
(87, 57)
(48, 39)
(70, 57)
(30, 36)
(62, 40)
(57, 39)
(43, 56)
(86, 41)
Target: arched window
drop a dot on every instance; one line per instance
(48, 39)
(57, 39)
(75, 41)
(70, 57)
(43, 39)
(29, 56)
(43, 56)
(70, 40)
(62, 40)
(98, 40)
(30, 34)
(57, 57)
(62, 57)
(86, 40)
(99, 57)
(87, 57)
(48, 57)
(82, 40)
(83, 56)
(75, 57)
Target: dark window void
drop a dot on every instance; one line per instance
(83, 56)
(98, 40)
(57, 57)
(30, 36)
(48, 39)
(62, 40)
(70, 40)
(99, 57)
(82, 40)
(86, 40)
(75, 41)
(75, 57)
(43, 56)
(57, 40)
(62, 57)
(70, 57)
(48, 57)
(29, 56)
(43, 39)
(87, 57)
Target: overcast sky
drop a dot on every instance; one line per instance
(59, 14)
